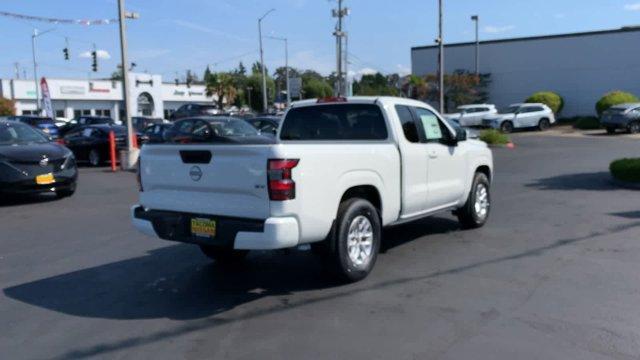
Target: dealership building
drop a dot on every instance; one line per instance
(72, 98)
(581, 67)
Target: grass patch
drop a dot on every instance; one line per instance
(586, 122)
(626, 170)
(494, 137)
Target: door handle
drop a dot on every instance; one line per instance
(433, 155)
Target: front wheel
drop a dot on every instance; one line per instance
(506, 127)
(356, 240)
(475, 212)
(611, 130)
(634, 127)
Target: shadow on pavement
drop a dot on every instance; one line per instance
(149, 287)
(597, 181)
(17, 200)
(628, 214)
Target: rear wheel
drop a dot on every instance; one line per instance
(634, 127)
(544, 124)
(475, 211)
(94, 157)
(611, 130)
(356, 240)
(506, 127)
(224, 255)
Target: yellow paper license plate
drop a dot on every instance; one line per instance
(203, 227)
(45, 179)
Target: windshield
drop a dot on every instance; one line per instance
(232, 127)
(509, 110)
(614, 110)
(16, 133)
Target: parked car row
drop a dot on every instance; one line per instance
(622, 117)
(515, 116)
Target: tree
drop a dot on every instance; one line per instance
(256, 68)
(316, 88)
(7, 107)
(241, 69)
(376, 84)
(207, 73)
(415, 87)
(255, 83)
(460, 88)
(222, 85)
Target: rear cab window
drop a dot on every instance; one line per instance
(346, 122)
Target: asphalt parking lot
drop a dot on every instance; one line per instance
(554, 275)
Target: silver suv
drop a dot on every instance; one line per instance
(519, 116)
(623, 116)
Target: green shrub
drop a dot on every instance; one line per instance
(554, 101)
(7, 107)
(586, 122)
(494, 137)
(626, 170)
(614, 98)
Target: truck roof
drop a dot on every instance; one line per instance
(385, 100)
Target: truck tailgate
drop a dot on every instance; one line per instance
(222, 180)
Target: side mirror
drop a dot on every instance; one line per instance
(461, 134)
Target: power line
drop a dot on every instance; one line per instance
(85, 22)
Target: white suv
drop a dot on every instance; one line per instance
(472, 115)
(519, 116)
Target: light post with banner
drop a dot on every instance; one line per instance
(46, 98)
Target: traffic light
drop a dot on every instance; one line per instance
(65, 51)
(94, 62)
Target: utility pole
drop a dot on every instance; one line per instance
(440, 58)
(16, 66)
(339, 13)
(35, 65)
(122, 16)
(286, 63)
(476, 19)
(265, 105)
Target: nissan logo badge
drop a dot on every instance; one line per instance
(195, 173)
(44, 161)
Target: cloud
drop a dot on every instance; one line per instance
(357, 74)
(498, 29)
(309, 59)
(632, 7)
(101, 54)
(403, 70)
(207, 30)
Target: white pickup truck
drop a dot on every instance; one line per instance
(338, 171)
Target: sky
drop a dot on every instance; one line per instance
(172, 36)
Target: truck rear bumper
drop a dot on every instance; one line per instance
(241, 234)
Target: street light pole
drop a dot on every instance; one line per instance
(286, 63)
(476, 19)
(35, 65)
(122, 16)
(440, 57)
(265, 105)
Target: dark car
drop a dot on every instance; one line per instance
(218, 129)
(155, 133)
(85, 120)
(266, 124)
(194, 110)
(31, 163)
(91, 143)
(623, 116)
(141, 123)
(45, 124)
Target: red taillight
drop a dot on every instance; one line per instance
(281, 185)
(332, 99)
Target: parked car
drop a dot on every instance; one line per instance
(341, 170)
(519, 116)
(193, 110)
(31, 163)
(213, 129)
(86, 120)
(624, 116)
(45, 124)
(141, 123)
(61, 121)
(155, 133)
(90, 143)
(266, 124)
(472, 115)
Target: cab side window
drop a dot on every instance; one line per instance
(434, 129)
(408, 124)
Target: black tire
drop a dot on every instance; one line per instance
(470, 215)
(506, 127)
(611, 130)
(94, 158)
(224, 255)
(544, 124)
(349, 215)
(634, 127)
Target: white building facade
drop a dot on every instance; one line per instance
(73, 98)
(581, 67)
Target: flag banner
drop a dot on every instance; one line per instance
(46, 98)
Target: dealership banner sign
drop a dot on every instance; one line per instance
(46, 98)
